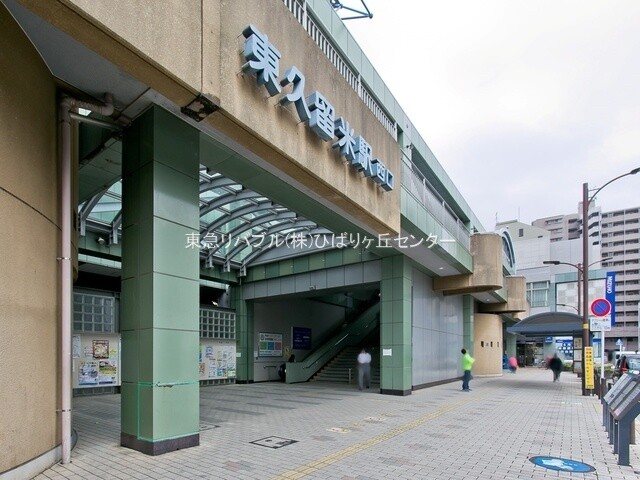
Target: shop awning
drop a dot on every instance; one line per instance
(550, 324)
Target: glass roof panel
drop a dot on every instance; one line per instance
(245, 215)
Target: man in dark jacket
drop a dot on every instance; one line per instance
(555, 364)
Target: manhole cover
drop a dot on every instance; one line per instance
(562, 464)
(207, 426)
(274, 442)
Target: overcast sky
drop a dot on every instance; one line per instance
(521, 101)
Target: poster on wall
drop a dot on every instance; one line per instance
(97, 361)
(269, 344)
(88, 372)
(100, 348)
(301, 338)
(76, 346)
(217, 359)
(108, 372)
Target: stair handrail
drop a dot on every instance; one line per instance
(352, 335)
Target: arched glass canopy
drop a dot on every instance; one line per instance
(238, 227)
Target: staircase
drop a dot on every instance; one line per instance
(337, 370)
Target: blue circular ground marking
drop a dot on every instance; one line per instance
(562, 464)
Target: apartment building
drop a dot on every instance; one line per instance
(618, 235)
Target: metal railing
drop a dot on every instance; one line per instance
(351, 335)
(299, 10)
(425, 193)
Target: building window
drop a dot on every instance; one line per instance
(94, 313)
(538, 294)
(217, 324)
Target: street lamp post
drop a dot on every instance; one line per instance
(580, 277)
(586, 201)
(569, 306)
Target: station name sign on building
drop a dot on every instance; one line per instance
(263, 62)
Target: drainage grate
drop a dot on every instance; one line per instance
(274, 442)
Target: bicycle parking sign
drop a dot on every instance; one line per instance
(562, 464)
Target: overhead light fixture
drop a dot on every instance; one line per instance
(101, 241)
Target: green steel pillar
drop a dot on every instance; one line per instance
(160, 285)
(245, 335)
(467, 325)
(395, 326)
(510, 344)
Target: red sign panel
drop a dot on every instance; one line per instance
(600, 307)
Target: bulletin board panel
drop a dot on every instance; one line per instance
(627, 398)
(217, 359)
(95, 360)
(617, 388)
(269, 344)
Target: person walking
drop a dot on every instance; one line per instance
(513, 364)
(555, 364)
(364, 369)
(467, 365)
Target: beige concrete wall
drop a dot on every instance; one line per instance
(305, 157)
(183, 47)
(168, 32)
(486, 249)
(487, 344)
(516, 298)
(29, 351)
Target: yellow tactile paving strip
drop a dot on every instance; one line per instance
(328, 460)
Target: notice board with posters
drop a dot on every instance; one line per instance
(95, 360)
(217, 359)
(269, 344)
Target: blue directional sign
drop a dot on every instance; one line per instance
(561, 464)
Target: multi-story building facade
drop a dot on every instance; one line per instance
(551, 287)
(618, 235)
(621, 254)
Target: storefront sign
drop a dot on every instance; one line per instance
(301, 338)
(263, 62)
(610, 294)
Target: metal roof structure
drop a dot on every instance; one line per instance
(237, 225)
(549, 324)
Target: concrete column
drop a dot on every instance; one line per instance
(160, 285)
(510, 342)
(244, 336)
(395, 326)
(487, 348)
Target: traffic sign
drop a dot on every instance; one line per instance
(599, 324)
(600, 307)
(619, 342)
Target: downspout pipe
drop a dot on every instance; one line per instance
(67, 104)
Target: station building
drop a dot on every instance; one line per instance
(191, 192)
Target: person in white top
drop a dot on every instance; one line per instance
(364, 369)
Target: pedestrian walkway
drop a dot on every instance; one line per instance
(331, 431)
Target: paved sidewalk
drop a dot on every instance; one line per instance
(343, 434)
